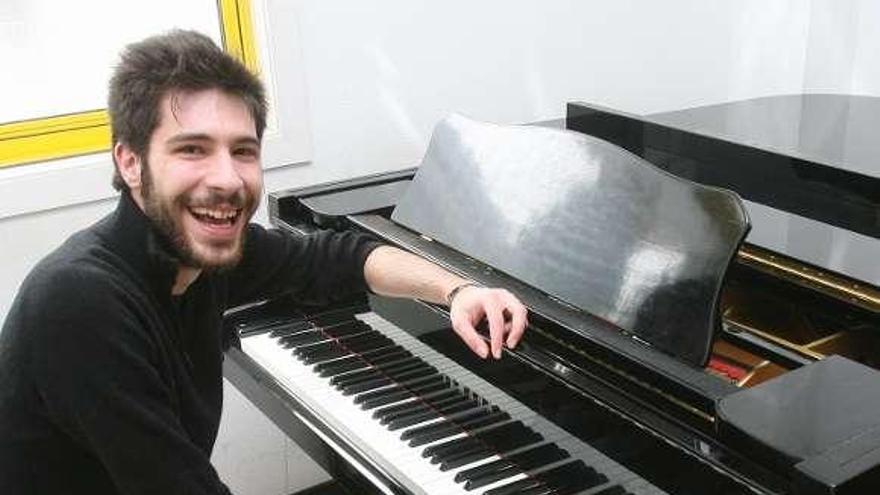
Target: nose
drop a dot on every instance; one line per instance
(223, 175)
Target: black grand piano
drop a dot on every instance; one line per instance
(704, 309)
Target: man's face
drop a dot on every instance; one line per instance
(202, 178)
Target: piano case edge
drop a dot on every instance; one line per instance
(833, 452)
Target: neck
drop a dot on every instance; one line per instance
(186, 275)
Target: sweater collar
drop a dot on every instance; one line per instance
(143, 247)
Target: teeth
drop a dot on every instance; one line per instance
(215, 214)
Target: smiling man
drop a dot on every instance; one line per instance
(110, 358)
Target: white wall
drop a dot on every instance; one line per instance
(379, 74)
(843, 46)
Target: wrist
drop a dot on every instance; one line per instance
(452, 294)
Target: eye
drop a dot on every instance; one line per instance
(191, 149)
(246, 152)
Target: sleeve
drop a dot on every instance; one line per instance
(98, 372)
(318, 268)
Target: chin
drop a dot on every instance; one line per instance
(212, 258)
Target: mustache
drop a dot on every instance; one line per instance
(213, 199)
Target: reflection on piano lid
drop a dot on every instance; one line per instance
(585, 222)
(805, 164)
(769, 413)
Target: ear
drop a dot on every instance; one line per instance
(129, 165)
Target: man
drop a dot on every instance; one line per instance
(110, 358)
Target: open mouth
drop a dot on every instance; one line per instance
(223, 217)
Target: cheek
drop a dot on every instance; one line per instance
(253, 179)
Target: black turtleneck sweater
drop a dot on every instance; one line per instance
(108, 384)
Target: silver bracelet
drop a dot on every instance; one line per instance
(458, 288)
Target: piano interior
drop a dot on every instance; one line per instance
(784, 400)
(790, 314)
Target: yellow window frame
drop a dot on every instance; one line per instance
(62, 136)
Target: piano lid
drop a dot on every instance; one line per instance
(805, 165)
(584, 221)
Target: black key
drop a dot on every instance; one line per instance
(364, 386)
(433, 403)
(490, 472)
(613, 490)
(347, 381)
(538, 490)
(500, 435)
(365, 342)
(371, 400)
(404, 376)
(302, 338)
(521, 461)
(308, 350)
(490, 443)
(442, 429)
(325, 356)
(398, 409)
(466, 458)
(517, 487)
(409, 361)
(490, 447)
(361, 361)
(343, 365)
(266, 322)
(319, 353)
(572, 477)
(447, 409)
(421, 416)
(347, 328)
(314, 353)
(289, 328)
(386, 354)
(377, 370)
(354, 361)
(500, 470)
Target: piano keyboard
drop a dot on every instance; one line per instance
(433, 425)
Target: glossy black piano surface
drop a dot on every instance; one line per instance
(584, 221)
(639, 406)
(805, 164)
(623, 439)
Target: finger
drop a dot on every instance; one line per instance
(519, 321)
(466, 332)
(495, 317)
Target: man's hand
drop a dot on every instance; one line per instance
(392, 272)
(505, 314)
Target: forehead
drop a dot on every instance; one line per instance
(211, 111)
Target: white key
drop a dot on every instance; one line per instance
(376, 442)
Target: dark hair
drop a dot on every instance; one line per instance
(178, 60)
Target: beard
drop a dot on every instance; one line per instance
(165, 214)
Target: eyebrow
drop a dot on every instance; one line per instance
(196, 136)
